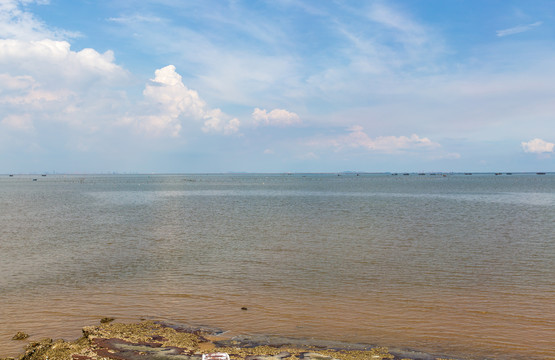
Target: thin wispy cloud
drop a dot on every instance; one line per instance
(18, 23)
(135, 18)
(411, 32)
(518, 29)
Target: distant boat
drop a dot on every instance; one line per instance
(11, 175)
(540, 173)
(498, 173)
(34, 179)
(468, 173)
(421, 174)
(406, 174)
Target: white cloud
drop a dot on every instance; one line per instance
(538, 146)
(358, 138)
(217, 121)
(276, 117)
(52, 83)
(518, 29)
(170, 102)
(168, 91)
(387, 144)
(47, 58)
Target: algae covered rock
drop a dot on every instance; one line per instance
(55, 350)
(151, 340)
(20, 336)
(145, 332)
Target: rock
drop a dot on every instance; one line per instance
(244, 308)
(315, 356)
(106, 320)
(20, 336)
(282, 355)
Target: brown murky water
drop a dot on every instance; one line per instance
(457, 266)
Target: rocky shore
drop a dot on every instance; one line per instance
(151, 340)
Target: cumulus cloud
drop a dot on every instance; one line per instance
(31, 51)
(538, 146)
(171, 102)
(48, 80)
(388, 144)
(47, 58)
(50, 94)
(276, 117)
(217, 121)
(518, 29)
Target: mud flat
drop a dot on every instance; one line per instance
(152, 340)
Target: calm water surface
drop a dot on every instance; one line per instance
(459, 265)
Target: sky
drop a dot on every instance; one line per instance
(215, 86)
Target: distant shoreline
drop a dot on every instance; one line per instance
(345, 173)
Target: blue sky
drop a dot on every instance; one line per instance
(276, 86)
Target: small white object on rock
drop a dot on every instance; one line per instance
(215, 356)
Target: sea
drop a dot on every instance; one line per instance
(457, 266)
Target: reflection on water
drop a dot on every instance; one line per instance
(463, 266)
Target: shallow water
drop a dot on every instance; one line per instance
(458, 265)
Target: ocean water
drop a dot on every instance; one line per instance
(460, 266)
